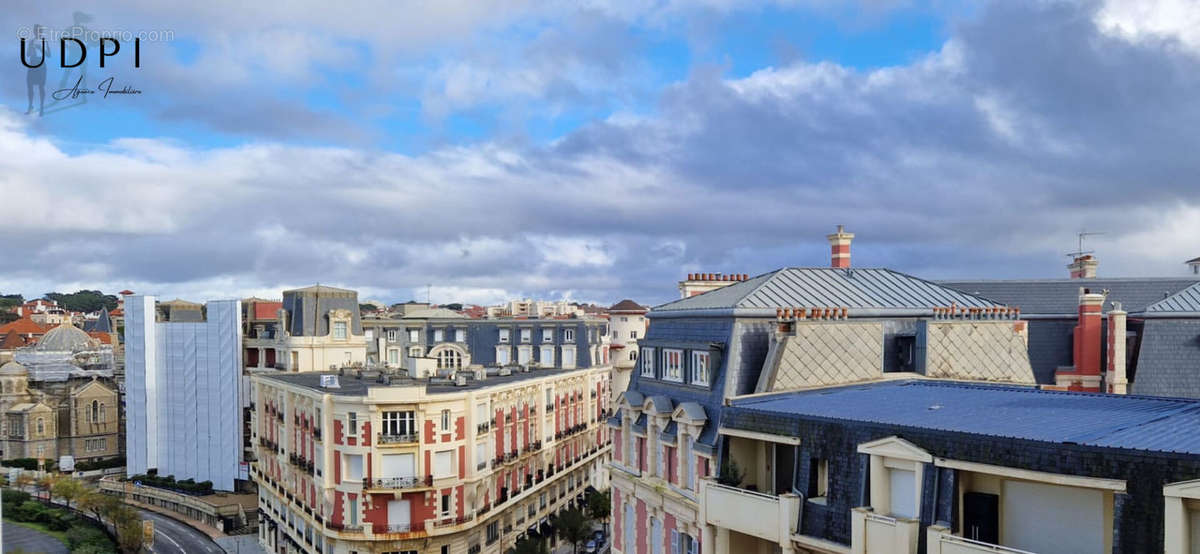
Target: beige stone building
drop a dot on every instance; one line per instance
(58, 398)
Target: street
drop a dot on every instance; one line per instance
(172, 537)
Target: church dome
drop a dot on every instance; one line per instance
(64, 338)
(13, 368)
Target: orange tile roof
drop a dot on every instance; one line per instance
(23, 326)
(104, 338)
(267, 310)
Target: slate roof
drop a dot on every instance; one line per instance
(1114, 421)
(873, 289)
(1169, 358)
(1061, 296)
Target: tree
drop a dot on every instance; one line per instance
(129, 535)
(731, 475)
(7, 316)
(11, 300)
(45, 483)
(599, 505)
(68, 489)
(84, 300)
(531, 545)
(573, 527)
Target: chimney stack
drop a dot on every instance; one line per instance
(839, 246)
(1084, 267)
(1084, 374)
(1115, 376)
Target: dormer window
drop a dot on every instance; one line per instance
(339, 330)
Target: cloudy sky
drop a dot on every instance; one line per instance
(597, 150)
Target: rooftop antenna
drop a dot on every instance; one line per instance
(1080, 251)
(429, 293)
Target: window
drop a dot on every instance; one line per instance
(568, 335)
(399, 423)
(41, 426)
(95, 445)
(493, 532)
(568, 357)
(504, 335)
(818, 480)
(526, 335)
(443, 464)
(353, 513)
(391, 335)
(547, 335)
(683, 544)
(648, 362)
(700, 368)
(460, 335)
(354, 467)
(339, 330)
(689, 469)
(438, 335)
(633, 354)
(445, 505)
(673, 365)
(414, 335)
(95, 411)
(449, 359)
(547, 357)
(633, 334)
(102, 416)
(352, 423)
(445, 420)
(393, 355)
(503, 355)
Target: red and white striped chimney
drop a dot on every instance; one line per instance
(839, 246)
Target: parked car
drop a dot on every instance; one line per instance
(600, 538)
(590, 547)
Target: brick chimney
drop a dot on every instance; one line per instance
(1115, 379)
(1084, 375)
(839, 246)
(1083, 267)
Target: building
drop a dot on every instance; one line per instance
(914, 465)
(534, 308)
(790, 329)
(59, 398)
(426, 341)
(1135, 335)
(376, 461)
(700, 283)
(627, 324)
(183, 372)
(313, 329)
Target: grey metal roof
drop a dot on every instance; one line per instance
(693, 410)
(855, 288)
(668, 434)
(1103, 420)
(634, 398)
(1186, 300)
(351, 385)
(661, 404)
(1061, 296)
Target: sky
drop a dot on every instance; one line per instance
(595, 150)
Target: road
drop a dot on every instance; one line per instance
(173, 537)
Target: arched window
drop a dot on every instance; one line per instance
(8, 388)
(449, 359)
(41, 426)
(95, 411)
(102, 418)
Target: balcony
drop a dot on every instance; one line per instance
(406, 438)
(398, 482)
(769, 517)
(483, 427)
(451, 521)
(940, 540)
(872, 532)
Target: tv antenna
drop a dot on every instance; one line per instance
(429, 293)
(1080, 251)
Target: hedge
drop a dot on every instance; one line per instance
(186, 486)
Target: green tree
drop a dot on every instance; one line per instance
(731, 475)
(573, 527)
(7, 316)
(67, 488)
(11, 300)
(531, 545)
(599, 505)
(84, 300)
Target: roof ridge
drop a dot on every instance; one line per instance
(1190, 287)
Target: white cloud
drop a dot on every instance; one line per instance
(1142, 19)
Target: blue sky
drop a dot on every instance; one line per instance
(601, 150)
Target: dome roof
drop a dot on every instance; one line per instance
(13, 368)
(64, 338)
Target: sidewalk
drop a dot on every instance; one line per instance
(205, 528)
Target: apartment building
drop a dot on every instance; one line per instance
(627, 322)
(915, 465)
(431, 340)
(312, 329)
(378, 462)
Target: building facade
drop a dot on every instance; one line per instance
(379, 462)
(315, 328)
(627, 324)
(59, 397)
(183, 383)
